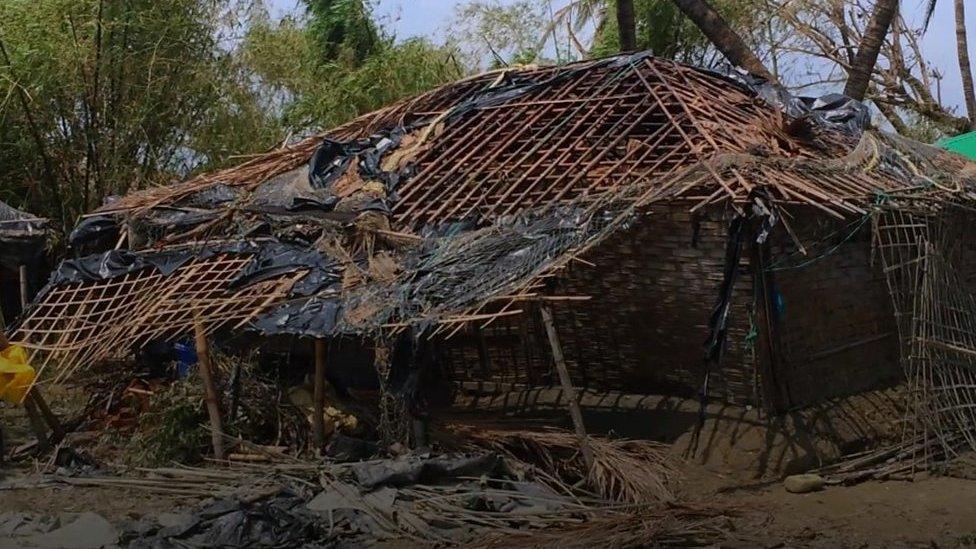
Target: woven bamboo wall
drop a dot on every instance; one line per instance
(836, 322)
(644, 328)
(653, 293)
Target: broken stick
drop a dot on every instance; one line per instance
(213, 405)
(318, 419)
(567, 385)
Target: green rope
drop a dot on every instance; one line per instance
(880, 198)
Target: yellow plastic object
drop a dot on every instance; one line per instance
(16, 375)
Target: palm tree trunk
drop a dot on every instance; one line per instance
(859, 75)
(717, 30)
(962, 47)
(626, 25)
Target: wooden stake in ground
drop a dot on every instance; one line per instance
(24, 299)
(57, 432)
(567, 385)
(318, 419)
(213, 405)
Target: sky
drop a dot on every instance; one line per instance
(407, 18)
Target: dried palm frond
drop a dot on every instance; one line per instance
(680, 525)
(632, 471)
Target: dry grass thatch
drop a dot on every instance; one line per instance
(631, 471)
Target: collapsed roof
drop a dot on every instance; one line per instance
(456, 205)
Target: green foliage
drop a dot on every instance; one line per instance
(505, 34)
(342, 30)
(100, 97)
(174, 429)
(315, 91)
(103, 96)
(664, 30)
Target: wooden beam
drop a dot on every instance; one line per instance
(318, 419)
(567, 385)
(213, 404)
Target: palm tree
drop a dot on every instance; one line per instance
(626, 25)
(722, 36)
(859, 75)
(712, 25)
(962, 53)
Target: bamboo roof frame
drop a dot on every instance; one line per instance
(603, 136)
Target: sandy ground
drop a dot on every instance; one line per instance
(113, 504)
(930, 512)
(933, 511)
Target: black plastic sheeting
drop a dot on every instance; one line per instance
(315, 317)
(93, 231)
(738, 233)
(22, 237)
(833, 110)
(269, 260)
(278, 521)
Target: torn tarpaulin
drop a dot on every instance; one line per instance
(833, 110)
(280, 520)
(335, 510)
(333, 158)
(312, 316)
(273, 260)
(412, 469)
(269, 259)
(93, 229)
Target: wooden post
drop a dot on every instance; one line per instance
(37, 424)
(213, 405)
(57, 432)
(567, 385)
(318, 420)
(24, 299)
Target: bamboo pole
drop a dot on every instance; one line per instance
(567, 384)
(24, 300)
(57, 432)
(213, 405)
(37, 425)
(318, 419)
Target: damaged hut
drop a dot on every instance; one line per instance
(660, 228)
(23, 241)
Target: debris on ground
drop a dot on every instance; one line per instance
(801, 484)
(443, 499)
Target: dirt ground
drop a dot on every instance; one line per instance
(930, 512)
(738, 463)
(114, 504)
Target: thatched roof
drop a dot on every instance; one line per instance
(518, 139)
(453, 206)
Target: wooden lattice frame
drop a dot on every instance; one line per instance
(81, 323)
